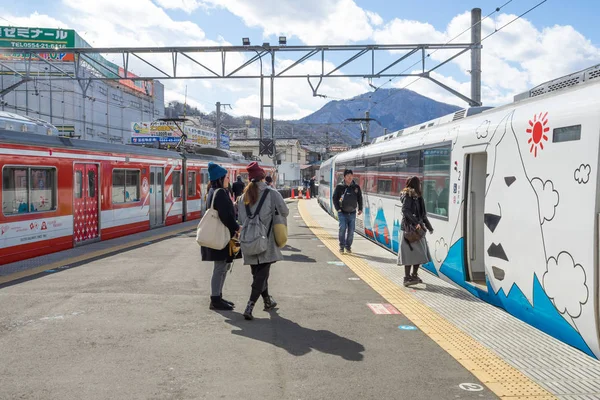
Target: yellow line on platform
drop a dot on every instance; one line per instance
(88, 256)
(501, 378)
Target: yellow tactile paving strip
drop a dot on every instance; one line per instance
(501, 378)
(89, 256)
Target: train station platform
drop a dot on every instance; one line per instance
(130, 320)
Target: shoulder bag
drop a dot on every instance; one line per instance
(211, 232)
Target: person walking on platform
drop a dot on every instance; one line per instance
(222, 259)
(262, 202)
(238, 187)
(346, 198)
(414, 250)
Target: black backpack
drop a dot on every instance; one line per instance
(349, 199)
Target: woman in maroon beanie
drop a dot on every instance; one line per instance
(260, 264)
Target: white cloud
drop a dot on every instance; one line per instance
(374, 18)
(563, 273)
(513, 60)
(35, 20)
(582, 174)
(186, 5)
(293, 98)
(547, 198)
(312, 21)
(172, 95)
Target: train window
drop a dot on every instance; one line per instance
(27, 189)
(91, 184)
(191, 191)
(126, 186)
(177, 184)
(565, 134)
(436, 180)
(42, 188)
(78, 185)
(408, 164)
(384, 186)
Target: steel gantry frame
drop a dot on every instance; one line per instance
(86, 55)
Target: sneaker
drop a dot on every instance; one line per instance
(348, 250)
(341, 250)
(416, 278)
(270, 303)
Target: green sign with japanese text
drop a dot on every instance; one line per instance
(36, 38)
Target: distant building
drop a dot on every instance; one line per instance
(107, 110)
(291, 157)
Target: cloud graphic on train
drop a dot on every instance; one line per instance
(565, 284)
(441, 250)
(482, 130)
(548, 198)
(582, 174)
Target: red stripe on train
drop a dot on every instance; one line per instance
(17, 253)
(123, 230)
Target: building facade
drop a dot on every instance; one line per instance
(104, 111)
(290, 158)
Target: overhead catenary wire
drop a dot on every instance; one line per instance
(428, 55)
(497, 9)
(481, 41)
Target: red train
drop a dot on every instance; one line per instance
(58, 193)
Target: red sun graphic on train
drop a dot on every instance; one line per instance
(538, 131)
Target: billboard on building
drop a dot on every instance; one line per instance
(60, 40)
(168, 132)
(37, 38)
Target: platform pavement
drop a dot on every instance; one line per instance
(511, 357)
(135, 324)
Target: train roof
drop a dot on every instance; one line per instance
(460, 114)
(78, 144)
(29, 139)
(577, 78)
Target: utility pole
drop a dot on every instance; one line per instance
(476, 55)
(219, 122)
(368, 139)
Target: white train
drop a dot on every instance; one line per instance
(512, 193)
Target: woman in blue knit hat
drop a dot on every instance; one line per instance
(219, 181)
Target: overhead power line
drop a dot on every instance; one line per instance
(481, 41)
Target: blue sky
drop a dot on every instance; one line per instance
(557, 38)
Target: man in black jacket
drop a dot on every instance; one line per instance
(346, 198)
(238, 187)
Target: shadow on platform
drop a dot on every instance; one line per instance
(447, 291)
(293, 338)
(299, 258)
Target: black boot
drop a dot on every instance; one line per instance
(248, 313)
(216, 303)
(416, 278)
(231, 303)
(270, 303)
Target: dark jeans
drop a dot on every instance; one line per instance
(347, 224)
(260, 281)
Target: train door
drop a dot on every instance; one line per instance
(475, 175)
(157, 206)
(85, 203)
